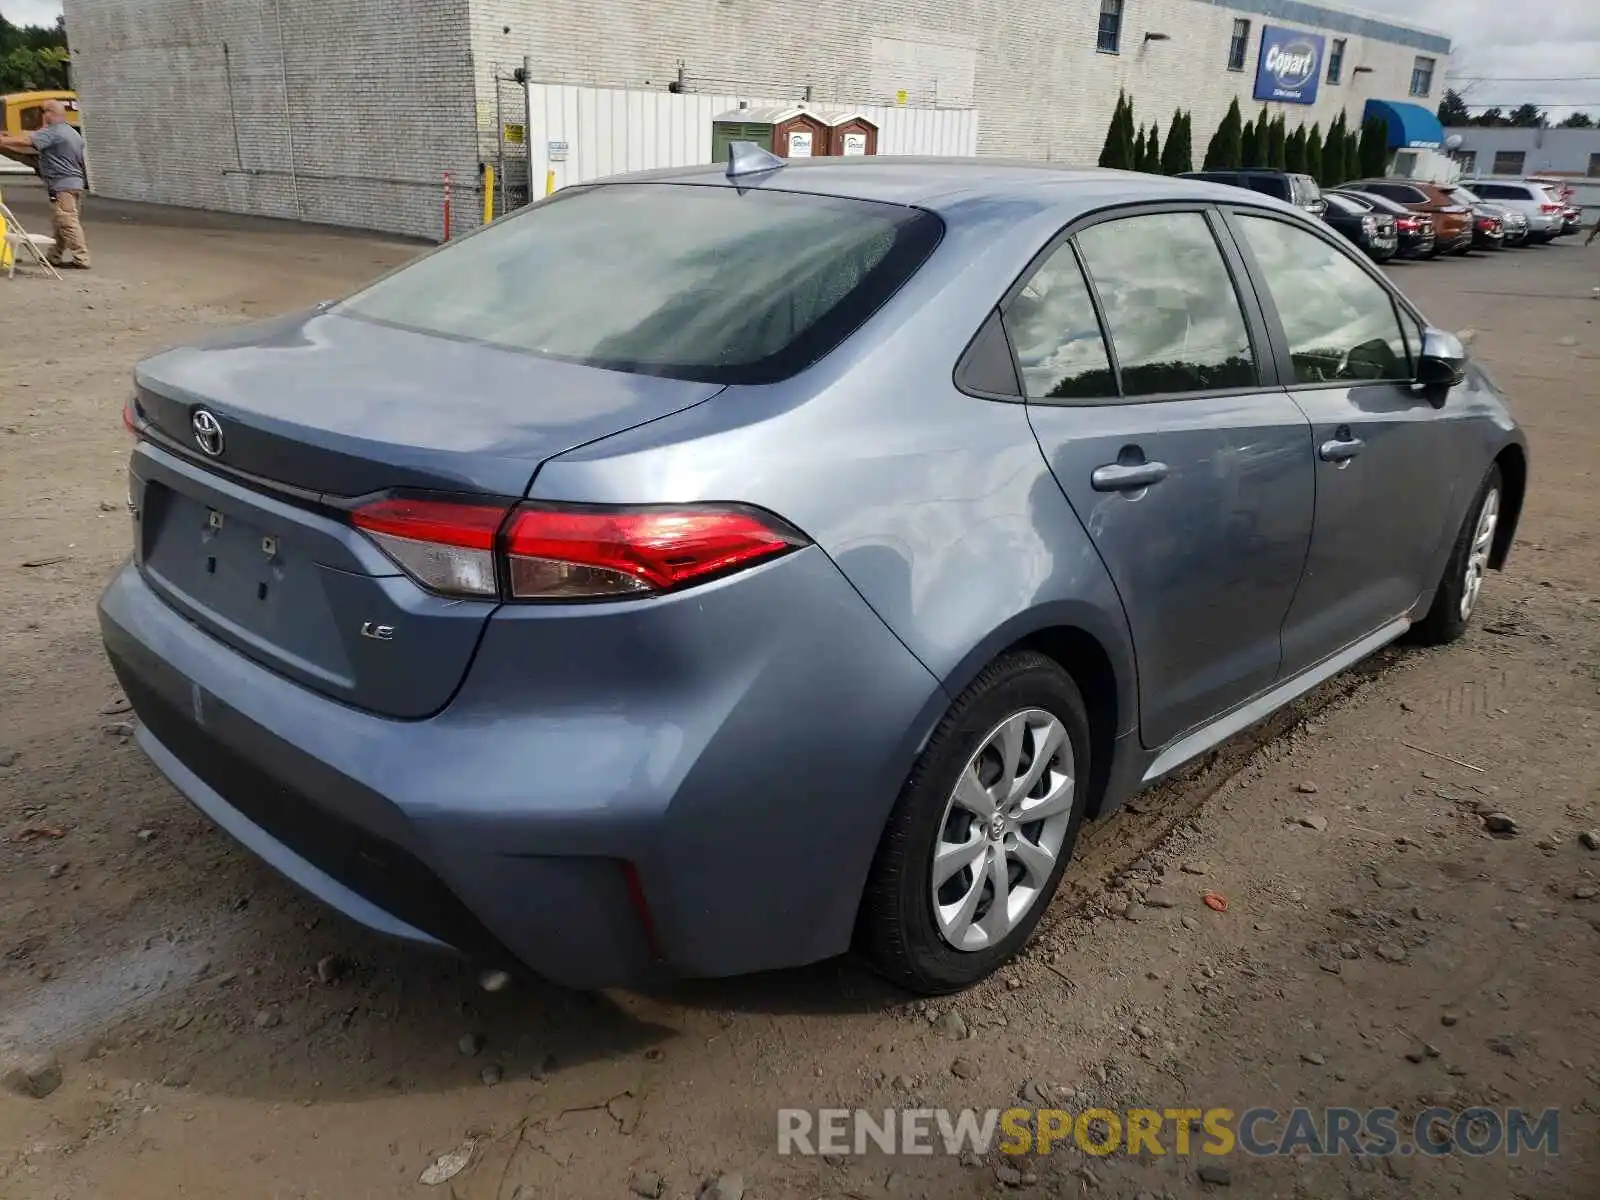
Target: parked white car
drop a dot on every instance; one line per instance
(1532, 200)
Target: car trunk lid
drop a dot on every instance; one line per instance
(243, 520)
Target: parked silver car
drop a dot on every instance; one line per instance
(704, 571)
(1543, 211)
(1513, 224)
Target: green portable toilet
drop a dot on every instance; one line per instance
(791, 132)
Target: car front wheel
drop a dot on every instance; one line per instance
(982, 830)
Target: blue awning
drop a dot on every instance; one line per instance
(1409, 124)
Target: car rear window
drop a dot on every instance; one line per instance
(1270, 185)
(693, 282)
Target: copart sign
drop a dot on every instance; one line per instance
(1290, 65)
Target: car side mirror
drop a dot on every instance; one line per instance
(1441, 365)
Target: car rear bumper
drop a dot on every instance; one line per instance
(703, 797)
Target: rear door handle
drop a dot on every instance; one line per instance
(1340, 450)
(1116, 477)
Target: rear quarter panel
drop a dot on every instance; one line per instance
(937, 506)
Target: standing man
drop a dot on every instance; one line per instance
(60, 150)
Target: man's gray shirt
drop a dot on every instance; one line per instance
(60, 148)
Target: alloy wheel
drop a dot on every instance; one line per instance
(1002, 830)
(1478, 552)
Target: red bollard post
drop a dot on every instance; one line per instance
(447, 206)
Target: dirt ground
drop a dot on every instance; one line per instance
(220, 1034)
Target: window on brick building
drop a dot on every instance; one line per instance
(1336, 60)
(1422, 76)
(1110, 38)
(1509, 162)
(1239, 44)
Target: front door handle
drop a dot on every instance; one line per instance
(1340, 449)
(1119, 477)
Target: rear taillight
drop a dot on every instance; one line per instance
(568, 552)
(130, 419)
(574, 553)
(1550, 208)
(445, 546)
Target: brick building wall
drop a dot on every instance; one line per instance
(344, 112)
(1031, 68)
(349, 111)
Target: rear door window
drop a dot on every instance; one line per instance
(1501, 191)
(1175, 321)
(1056, 335)
(692, 282)
(1340, 323)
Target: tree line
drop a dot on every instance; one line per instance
(33, 57)
(1331, 158)
(1453, 111)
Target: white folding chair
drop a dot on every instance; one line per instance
(18, 239)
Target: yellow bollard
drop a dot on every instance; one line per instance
(549, 183)
(488, 192)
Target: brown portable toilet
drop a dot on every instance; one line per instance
(851, 134)
(792, 132)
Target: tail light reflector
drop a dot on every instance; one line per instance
(445, 546)
(572, 553)
(568, 552)
(130, 420)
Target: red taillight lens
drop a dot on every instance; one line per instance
(130, 420)
(568, 552)
(444, 545)
(573, 553)
(1550, 208)
(1409, 224)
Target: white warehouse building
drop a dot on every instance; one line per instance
(350, 112)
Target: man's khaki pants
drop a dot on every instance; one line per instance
(70, 246)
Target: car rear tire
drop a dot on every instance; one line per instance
(1459, 591)
(995, 799)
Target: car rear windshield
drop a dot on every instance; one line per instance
(693, 282)
(1270, 185)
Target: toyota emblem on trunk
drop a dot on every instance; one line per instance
(207, 432)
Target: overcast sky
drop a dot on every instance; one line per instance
(1506, 51)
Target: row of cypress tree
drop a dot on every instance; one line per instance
(1127, 150)
(1333, 158)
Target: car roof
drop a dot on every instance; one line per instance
(949, 185)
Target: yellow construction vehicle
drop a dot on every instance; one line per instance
(23, 112)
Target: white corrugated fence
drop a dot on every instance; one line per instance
(576, 134)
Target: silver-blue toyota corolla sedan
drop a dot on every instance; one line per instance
(709, 571)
